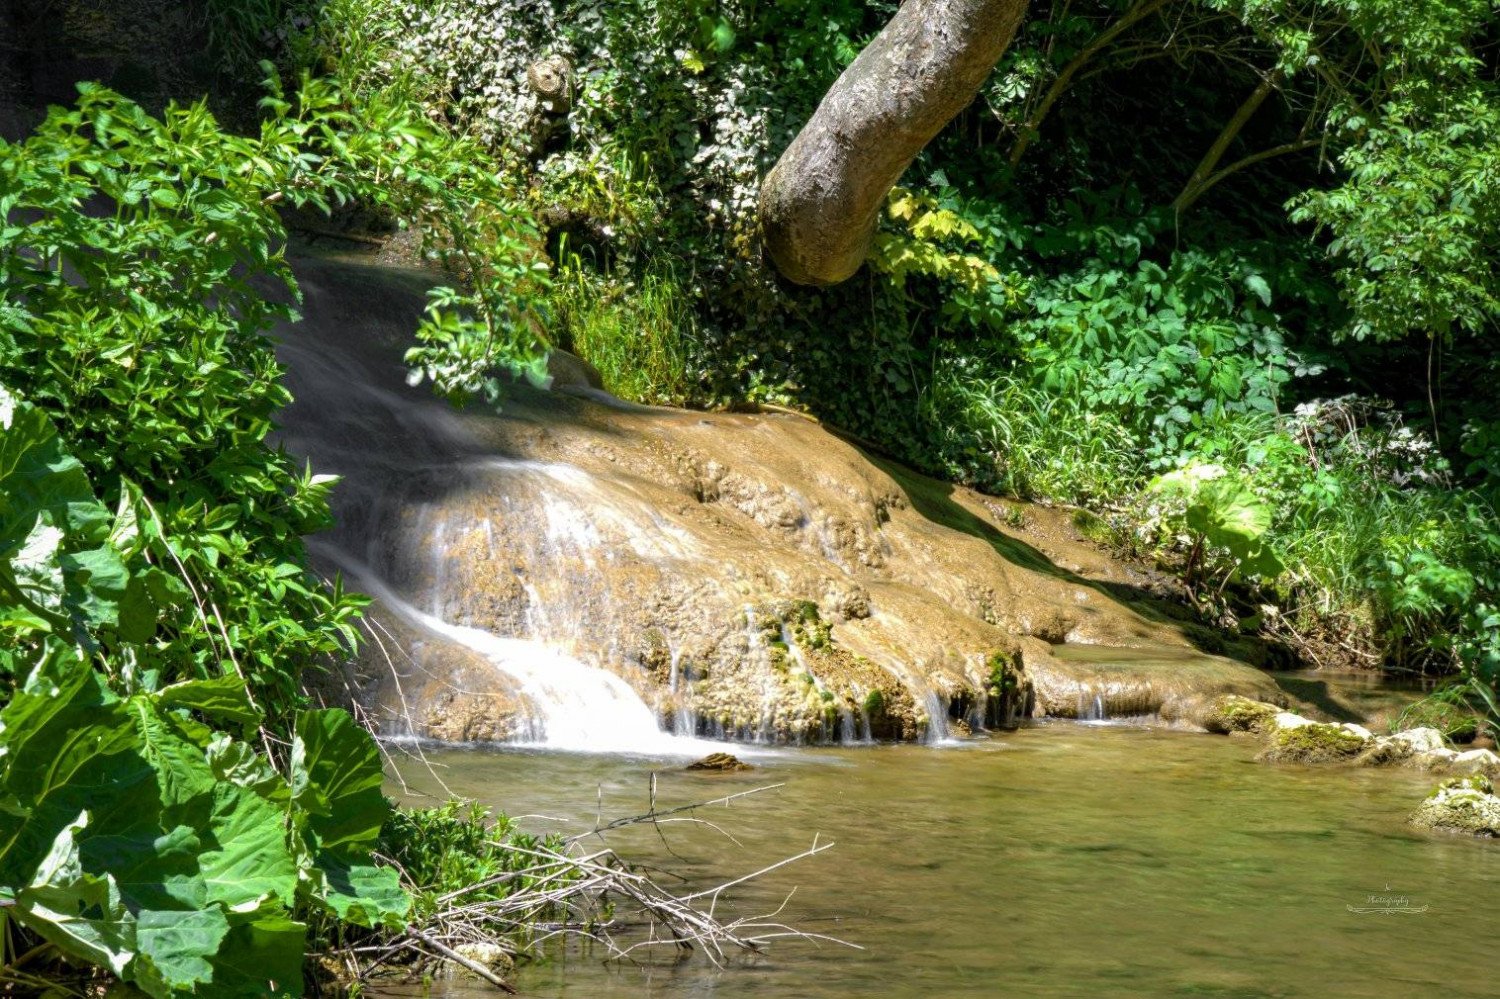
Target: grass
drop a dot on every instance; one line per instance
(638, 334)
(1015, 439)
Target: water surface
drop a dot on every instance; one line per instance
(1059, 860)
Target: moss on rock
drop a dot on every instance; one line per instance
(1462, 804)
(1233, 713)
(1313, 743)
(721, 763)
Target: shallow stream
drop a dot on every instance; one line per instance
(1058, 860)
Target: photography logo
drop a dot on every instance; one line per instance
(1388, 904)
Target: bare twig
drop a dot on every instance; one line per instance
(565, 893)
(653, 816)
(458, 958)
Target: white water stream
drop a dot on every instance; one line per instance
(571, 705)
(574, 706)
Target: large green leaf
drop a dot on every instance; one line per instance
(56, 561)
(247, 859)
(163, 867)
(66, 746)
(243, 858)
(175, 947)
(82, 913)
(261, 957)
(364, 894)
(1223, 510)
(336, 778)
(224, 699)
(1230, 514)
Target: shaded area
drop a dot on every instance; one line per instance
(1371, 699)
(934, 499)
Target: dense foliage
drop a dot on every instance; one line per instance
(170, 809)
(140, 274)
(141, 830)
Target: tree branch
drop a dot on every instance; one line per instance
(1198, 182)
(1254, 158)
(1141, 10)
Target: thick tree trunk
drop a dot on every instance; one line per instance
(820, 204)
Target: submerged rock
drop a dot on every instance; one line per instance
(1462, 804)
(722, 763)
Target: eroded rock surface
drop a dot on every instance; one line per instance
(750, 576)
(1462, 804)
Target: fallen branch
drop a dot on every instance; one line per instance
(457, 958)
(562, 893)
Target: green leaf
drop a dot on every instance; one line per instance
(248, 859)
(261, 956)
(336, 778)
(365, 894)
(66, 746)
(1229, 513)
(174, 948)
(224, 699)
(55, 556)
(81, 913)
(1259, 288)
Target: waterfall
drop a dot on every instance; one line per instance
(573, 706)
(572, 571)
(395, 449)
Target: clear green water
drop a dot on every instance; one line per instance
(1058, 860)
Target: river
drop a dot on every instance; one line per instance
(1057, 860)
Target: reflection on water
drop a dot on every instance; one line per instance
(1059, 860)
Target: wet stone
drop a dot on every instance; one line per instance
(719, 763)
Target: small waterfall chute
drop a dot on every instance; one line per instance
(574, 706)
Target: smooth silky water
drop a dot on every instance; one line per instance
(1058, 860)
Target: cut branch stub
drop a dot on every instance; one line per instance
(820, 204)
(551, 79)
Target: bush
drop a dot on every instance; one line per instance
(155, 600)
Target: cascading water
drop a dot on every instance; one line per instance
(567, 703)
(573, 706)
(580, 572)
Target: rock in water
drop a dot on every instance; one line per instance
(720, 763)
(496, 959)
(1233, 713)
(1314, 742)
(1417, 747)
(1462, 804)
(1483, 761)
